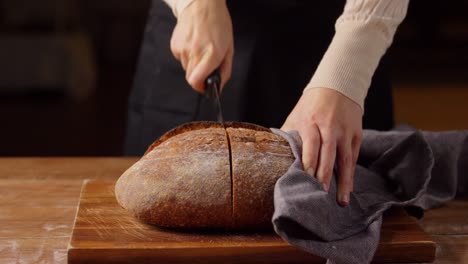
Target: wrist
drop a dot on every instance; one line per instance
(181, 5)
(334, 96)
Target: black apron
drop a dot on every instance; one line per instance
(278, 45)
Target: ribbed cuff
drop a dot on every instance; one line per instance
(350, 61)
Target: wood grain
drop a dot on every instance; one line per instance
(104, 231)
(37, 219)
(450, 219)
(451, 249)
(69, 168)
(34, 250)
(49, 189)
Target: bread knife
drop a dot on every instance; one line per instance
(213, 91)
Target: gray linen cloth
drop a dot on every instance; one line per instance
(396, 168)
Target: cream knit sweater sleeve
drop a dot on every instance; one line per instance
(362, 35)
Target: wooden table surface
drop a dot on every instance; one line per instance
(40, 198)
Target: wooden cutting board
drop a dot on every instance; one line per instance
(105, 233)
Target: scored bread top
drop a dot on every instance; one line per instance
(191, 126)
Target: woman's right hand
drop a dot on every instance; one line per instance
(203, 41)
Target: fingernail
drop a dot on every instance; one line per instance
(325, 186)
(344, 199)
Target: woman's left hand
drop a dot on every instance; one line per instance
(330, 126)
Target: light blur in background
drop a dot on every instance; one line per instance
(66, 69)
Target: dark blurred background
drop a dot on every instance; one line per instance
(66, 69)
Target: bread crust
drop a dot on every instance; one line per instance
(182, 182)
(258, 159)
(203, 176)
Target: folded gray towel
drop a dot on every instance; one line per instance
(396, 168)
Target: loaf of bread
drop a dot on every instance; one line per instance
(203, 176)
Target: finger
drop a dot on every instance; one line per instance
(310, 149)
(207, 64)
(190, 65)
(226, 67)
(327, 156)
(178, 51)
(184, 60)
(345, 171)
(356, 145)
(194, 55)
(175, 47)
(194, 59)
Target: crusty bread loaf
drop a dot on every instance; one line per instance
(200, 175)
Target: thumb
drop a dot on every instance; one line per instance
(207, 64)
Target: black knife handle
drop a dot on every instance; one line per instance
(213, 82)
